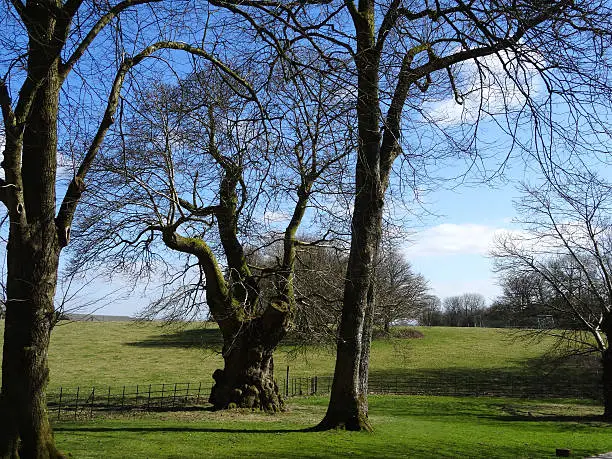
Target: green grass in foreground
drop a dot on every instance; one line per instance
(117, 353)
(420, 427)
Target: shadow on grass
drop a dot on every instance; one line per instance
(207, 338)
(73, 428)
(531, 379)
(192, 337)
(592, 419)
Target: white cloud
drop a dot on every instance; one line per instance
(453, 239)
(483, 282)
(271, 217)
(502, 86)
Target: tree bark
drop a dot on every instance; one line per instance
(247, 379)
(348, 404)
(606, 362)
(24, 425)
(364, 363)
(32, 259)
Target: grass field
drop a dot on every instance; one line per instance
(418, 427)
(117, 353)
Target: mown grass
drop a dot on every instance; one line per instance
(421, 427)
(117, 353)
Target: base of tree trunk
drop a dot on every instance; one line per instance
(13, 446)
(255, 392)
(247, 381)
(354, 424)
(606, 362)
(347, 414)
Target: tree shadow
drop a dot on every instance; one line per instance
(209, 338)
(86, 428)
(590, 419)
(185, 338)
(528, 378)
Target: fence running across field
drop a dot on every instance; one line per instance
(78, 402)
(82, 402)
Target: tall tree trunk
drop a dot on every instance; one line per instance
(606, 362)
(366, 344)
(32, 258)
(348, 405)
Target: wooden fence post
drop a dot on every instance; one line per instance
(76, 402)
(59, 405)
(149, 399)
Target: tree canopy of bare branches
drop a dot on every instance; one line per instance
(566, 252)
(63, 67)
(217, 177)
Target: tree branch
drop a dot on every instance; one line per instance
(77, 185)
(95, 30)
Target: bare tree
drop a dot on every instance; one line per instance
(202, 170)
(431, 313)
(464, 310)
(401, 53)
(523, 299)
(47, 45)
(400, 293)
(453, 311)
(567, 247)
(319, 279)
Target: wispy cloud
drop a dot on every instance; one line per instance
(271, 217)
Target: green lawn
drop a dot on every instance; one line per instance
(118, 353)
(420, 427)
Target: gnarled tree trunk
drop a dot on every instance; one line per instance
(247, 379)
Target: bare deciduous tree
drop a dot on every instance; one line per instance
(46, 46)
(202, 170)
(567, 248)
(400, 293)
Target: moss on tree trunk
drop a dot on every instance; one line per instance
(247, 379)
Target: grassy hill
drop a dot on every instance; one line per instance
(117, 353)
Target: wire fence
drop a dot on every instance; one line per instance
(84, 402)
(511, 386)
(81, 402)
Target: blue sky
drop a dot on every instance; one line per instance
(450, 247)
(451, 250)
